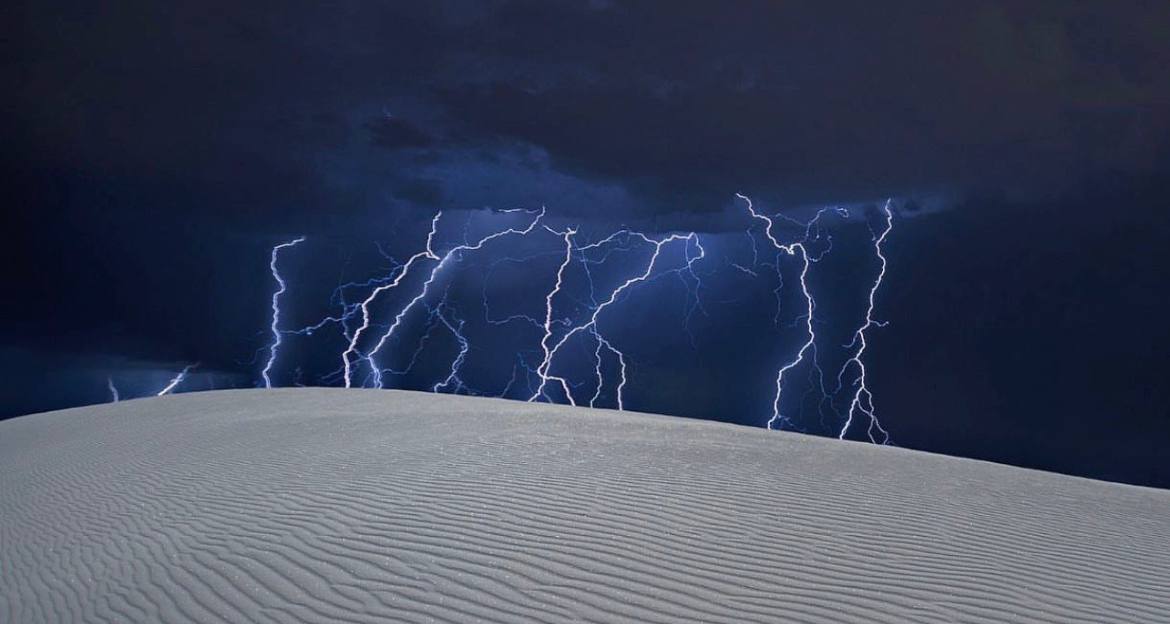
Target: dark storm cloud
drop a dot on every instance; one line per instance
(141, 132)
(816, 103)
(419, 191)
(680, 103)
(393, 133)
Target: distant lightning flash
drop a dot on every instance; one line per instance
(275, 326)
(177, 379)
(862, 400)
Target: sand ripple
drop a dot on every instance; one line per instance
(366, 506)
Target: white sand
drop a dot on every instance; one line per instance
(363, 506)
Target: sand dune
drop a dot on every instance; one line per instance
(365, 506)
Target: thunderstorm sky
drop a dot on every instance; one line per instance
(154, 153)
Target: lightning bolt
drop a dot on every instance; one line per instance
(177, 379)
(443, 261)
(431, 324)
(456, 329)
(790, 249)
(621, 357)
(352, 350)
(275, 326)
(811, 334)
(543, 370)
(862, 400)
(557, 328)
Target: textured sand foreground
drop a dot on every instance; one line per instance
(363, 506)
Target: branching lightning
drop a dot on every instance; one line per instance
(563, 352)
(862, 400)
(544, 369)
(810, 307)
(352, 350)
(453, 382)
(422, 294)
(275, 326)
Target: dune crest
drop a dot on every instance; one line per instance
(330, 505)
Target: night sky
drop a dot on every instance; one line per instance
(153, 153)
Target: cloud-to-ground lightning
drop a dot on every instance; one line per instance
(453, 381)
(454, 252)
(177, 379)
(275, 325)
(351, 350)
(862, 400)
(573, 325)
(591, 325)
(810, 307)
(575, 311)
(542, 370)
(621, 358)
(353, 353)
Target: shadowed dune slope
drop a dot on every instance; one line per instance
(361, 506)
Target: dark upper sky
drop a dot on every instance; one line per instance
(153, 152)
